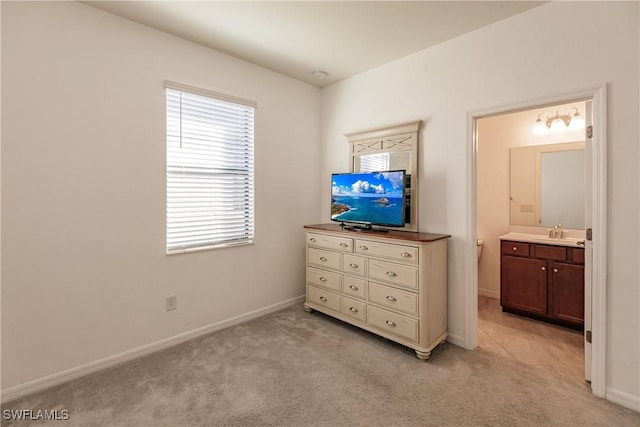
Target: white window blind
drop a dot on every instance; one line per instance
(209, 170)
(374, 162)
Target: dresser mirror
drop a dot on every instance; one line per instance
(547, 185)
(390, 148)
(382, 161)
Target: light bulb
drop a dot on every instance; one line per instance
(539, 128)
(577, 121)
(557, 123)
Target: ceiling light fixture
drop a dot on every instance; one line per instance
(320, 74)
(558, 123)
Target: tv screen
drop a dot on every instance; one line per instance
(371, 198)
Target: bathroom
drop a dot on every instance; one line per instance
(504, 167)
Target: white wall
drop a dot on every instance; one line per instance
(495, 136)
(543, 53)
(85, 274)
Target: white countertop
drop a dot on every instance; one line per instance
(540, 238)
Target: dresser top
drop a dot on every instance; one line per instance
(390, 234)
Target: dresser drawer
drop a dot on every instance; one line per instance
(343, 244)
(324, 278)
(386, 250)
(514, 248)
(324, 298)
(355, 265)
(393, 298)
(402, 275)
(392, 323)
(325, 259)
(354, 286)
(354, 309)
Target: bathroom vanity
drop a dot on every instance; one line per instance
(543, 278)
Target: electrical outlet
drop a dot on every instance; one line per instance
(172, 302)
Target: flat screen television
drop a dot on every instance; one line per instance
(369, 198)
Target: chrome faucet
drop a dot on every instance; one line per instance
(556, 232)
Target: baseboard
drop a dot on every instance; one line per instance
(623, 399)
(62, 377)
(489, 293)
(456, 340)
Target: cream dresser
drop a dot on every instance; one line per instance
(393, 284)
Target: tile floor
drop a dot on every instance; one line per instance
(532, 342)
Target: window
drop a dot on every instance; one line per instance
(209, 169)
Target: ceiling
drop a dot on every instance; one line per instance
(297, 38)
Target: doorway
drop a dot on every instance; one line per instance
(595, 268)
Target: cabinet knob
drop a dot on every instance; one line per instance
(323, 259)
(390, 323)
(515, 248)
(323, 299)
(323, 279)
(543, 268)
(353, 309)
(312, 239)
(352, 265)
(555, 270)
(343, 245)
(364, 248)
(405, 255)
(353, 287)
(391, 298)
(391, 274)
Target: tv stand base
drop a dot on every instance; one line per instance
(366, 228)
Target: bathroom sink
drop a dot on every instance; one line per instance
(570, 240)
(541, 238)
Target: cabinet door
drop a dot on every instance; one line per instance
(567, 292)
(523, 283)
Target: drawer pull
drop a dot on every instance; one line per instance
(364, 248)
(391, 274)
(323, 299)
(353, 287)
(391, 298)
(313, 239)
(353, 309)
(555, 270)
(343, 245)
(543, 268)
(405, 255)
(352, 265)
(323, 259)
(323, 279)
(515, 248)
(390, 323)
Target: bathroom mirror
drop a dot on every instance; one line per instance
(390, 148)
(548, 185)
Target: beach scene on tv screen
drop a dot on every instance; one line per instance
(374, 198)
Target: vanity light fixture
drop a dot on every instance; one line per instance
(558, 123)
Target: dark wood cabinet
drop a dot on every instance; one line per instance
(567, 293)
(543, 281)
(527, 279)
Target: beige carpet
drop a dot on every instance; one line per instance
(296, 369)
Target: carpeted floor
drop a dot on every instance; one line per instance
(292, 368)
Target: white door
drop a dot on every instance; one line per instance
(588, 246)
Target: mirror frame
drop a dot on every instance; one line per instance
(401, 137)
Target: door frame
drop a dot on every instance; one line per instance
(598, 96)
